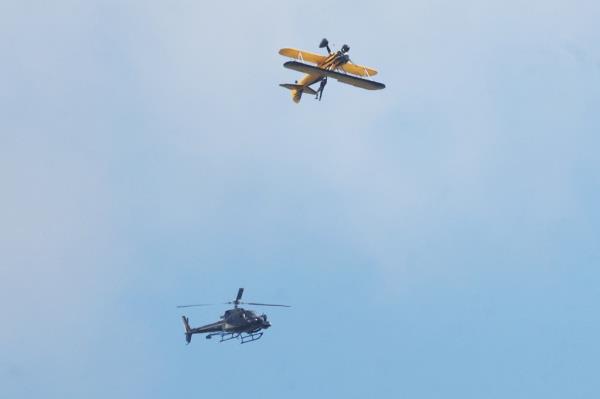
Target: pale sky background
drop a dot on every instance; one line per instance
(437, 239)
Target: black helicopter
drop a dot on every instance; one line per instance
(235, 323)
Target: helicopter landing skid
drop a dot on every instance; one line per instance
(249, 337)
(244, 337)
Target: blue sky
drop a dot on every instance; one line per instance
(439, 238)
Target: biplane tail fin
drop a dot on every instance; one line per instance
(188, 330)
(297, 90)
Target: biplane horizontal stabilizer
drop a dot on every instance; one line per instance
(305, 89)
(341, 77)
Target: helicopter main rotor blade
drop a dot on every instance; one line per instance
(264, 304)
(200, 304)
(235, 302)
(239, 295)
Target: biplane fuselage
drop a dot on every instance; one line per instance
(332, 61)
(335, 65)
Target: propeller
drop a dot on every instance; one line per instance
(345, 57)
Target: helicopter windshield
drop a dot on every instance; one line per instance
(250, 314)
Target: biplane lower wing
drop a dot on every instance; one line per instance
(306, 56)
(341, 77)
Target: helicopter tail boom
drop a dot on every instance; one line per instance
(188, 330)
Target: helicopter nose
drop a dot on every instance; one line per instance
(265, 323)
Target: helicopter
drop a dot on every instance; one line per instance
(236, 323)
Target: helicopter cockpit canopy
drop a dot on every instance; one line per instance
(249, 314)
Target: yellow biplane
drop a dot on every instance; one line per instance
(336, 65)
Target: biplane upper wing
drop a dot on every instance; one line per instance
(342, 77)
(359, 70)
(302, 55)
